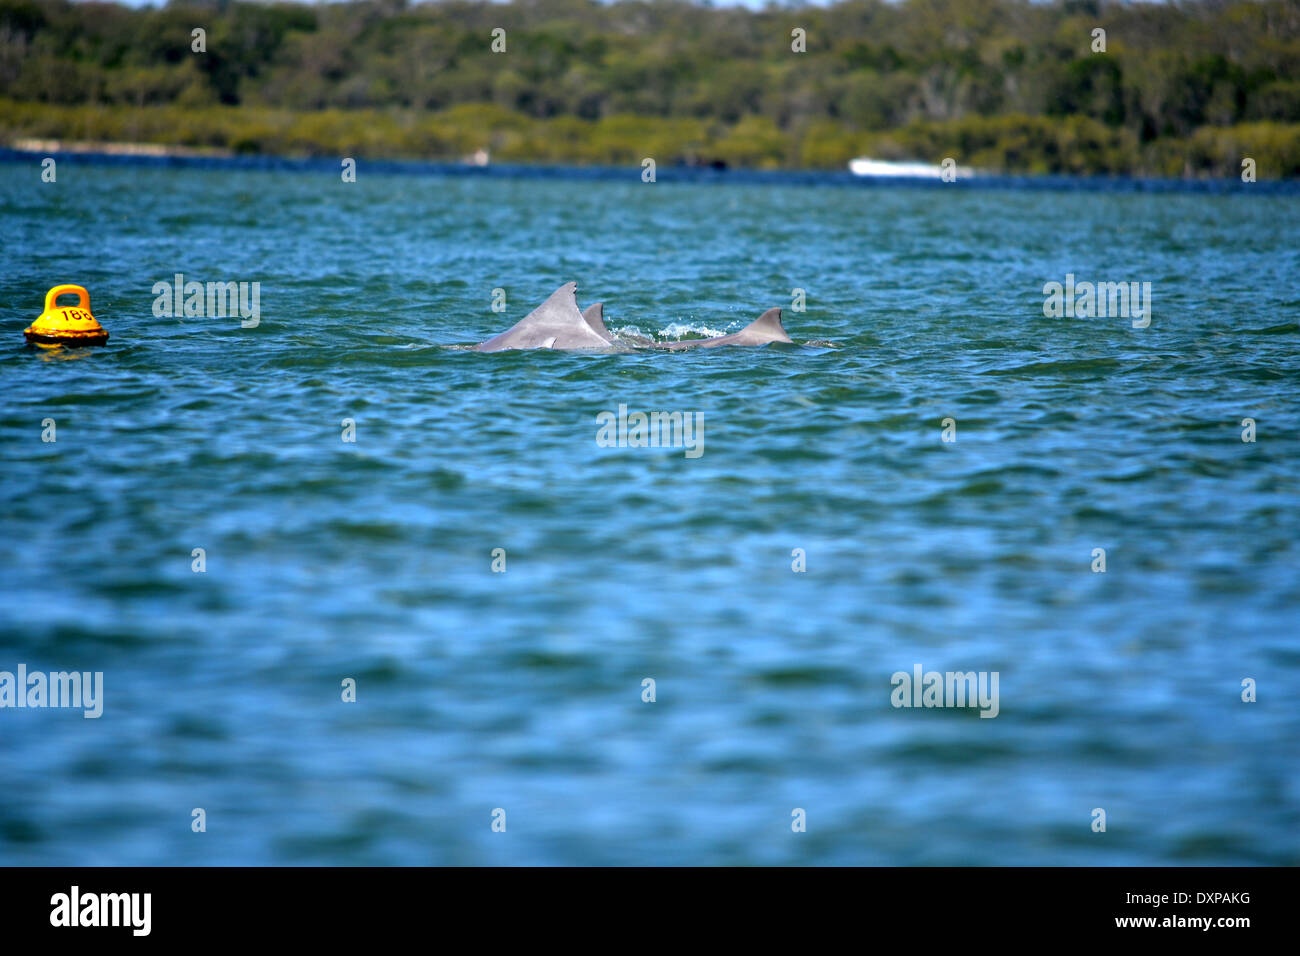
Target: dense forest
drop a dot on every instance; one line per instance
(1185, 88)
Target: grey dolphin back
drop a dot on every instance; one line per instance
(595, 316)
(555, 324)
(764, 329)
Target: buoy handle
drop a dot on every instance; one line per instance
(83, 297)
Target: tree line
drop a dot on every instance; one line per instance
(1067, 86)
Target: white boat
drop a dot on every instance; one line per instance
(863, 166)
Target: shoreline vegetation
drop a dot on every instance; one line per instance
(1000, 85)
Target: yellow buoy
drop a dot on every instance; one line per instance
(70, 325)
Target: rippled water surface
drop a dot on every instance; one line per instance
(522, 690)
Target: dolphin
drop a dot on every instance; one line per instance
(555, 324)
(595, 317)
(763, 330)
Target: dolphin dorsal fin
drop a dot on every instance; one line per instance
(555, 324)
(563, 302)
(595, 316)
(559, 312)
(768, 325)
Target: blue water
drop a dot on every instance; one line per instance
(522, 690)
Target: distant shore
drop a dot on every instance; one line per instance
(126, 156)
(109, 148)
(1007, 145)
(1205, 88)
